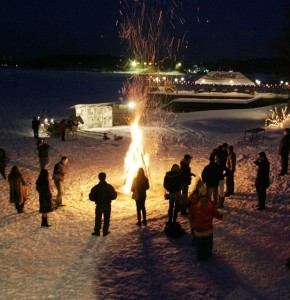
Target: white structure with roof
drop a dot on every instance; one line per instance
(225, 78)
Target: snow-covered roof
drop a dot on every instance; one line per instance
(224, 78)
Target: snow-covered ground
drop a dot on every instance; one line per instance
(66, 262)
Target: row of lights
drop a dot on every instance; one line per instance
(183, 81)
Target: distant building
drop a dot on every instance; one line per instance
(102, 115)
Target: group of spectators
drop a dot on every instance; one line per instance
(216, 183)
(209, 195)
(18, 186)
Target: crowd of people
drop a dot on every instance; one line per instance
(202, 205)
(18, 186)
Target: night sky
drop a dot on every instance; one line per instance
(215, 29)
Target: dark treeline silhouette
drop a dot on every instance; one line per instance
(98, 62)
(280, 66)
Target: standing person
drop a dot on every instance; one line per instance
(45, 196)
(35, 127)
(221, 154)
(192, 200)
(139, 187)
(185, 174)
(102, 194)
(18, 190)
(231, 166)
(42, 148)
(202, 212)
(172, 183)
(222, 173)
(210, 176)
(58, 178)
(284, 149)
(262, 181)
(63, 127)
(3, 161)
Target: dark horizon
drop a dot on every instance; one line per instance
(214, 31)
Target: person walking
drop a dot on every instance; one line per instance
(42, 148)
(35, 127)
(185, 174)
(63, 127)
(3, 161)
(231, 166)
(45, 196)
(284, 149)
(102, 194)
(172, 184)
(18, 189)
(262, 181)
(139, 187)
(58, 178)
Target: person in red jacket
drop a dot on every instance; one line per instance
(202, 211)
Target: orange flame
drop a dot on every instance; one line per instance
(136, 157)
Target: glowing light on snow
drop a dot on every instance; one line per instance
(278, 115)
(136, 157)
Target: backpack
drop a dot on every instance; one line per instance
(174, 230)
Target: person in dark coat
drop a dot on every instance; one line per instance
(185, 174)
(139, 187)
(42, 148)
(35, 127)
(3, 161)
(58, 178)
(262, 181)
(18, 189)
(210, 176)
(231, 166)
(63, 126)
(284, 149)
(221, 154)
(172, 184)
(223, 172)
(45, 196)
(102, 194)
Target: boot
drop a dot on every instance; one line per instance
(44, 222)
(139, 218)
(221, 202)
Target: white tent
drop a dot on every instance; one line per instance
(224, 78)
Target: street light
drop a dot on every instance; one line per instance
(132, 105)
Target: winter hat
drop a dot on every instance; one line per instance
(203, 191)
(200, 186)
(175, 168)
(187, 157)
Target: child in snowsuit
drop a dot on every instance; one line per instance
(202, 212)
